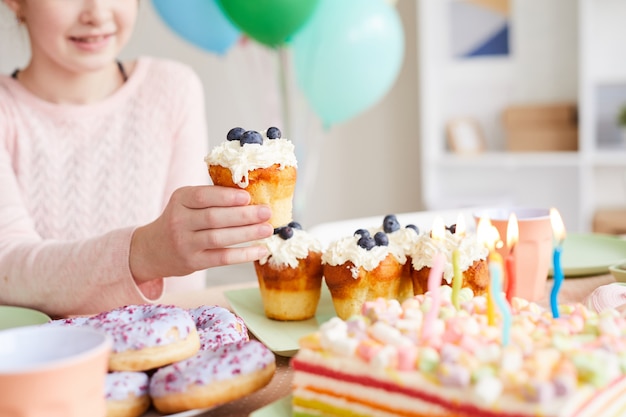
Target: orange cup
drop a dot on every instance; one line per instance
(53, 372)
(533, 251)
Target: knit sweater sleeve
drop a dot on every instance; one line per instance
(84, 276)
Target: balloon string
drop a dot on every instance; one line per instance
(283, 62)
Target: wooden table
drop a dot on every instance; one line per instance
(573, 290)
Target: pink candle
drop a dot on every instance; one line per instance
(434, 288)
(512, 237)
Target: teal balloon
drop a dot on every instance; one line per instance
(200, 22)
(348, 56)
(270, 22)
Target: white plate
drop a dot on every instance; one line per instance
(281, 337)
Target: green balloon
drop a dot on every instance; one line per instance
(270, 22)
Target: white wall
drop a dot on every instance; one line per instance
(367, 166)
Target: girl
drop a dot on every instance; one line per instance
(100, 169)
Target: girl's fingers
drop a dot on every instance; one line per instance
(212, 239)
(230, 256)
(204, 196)
(213, 218)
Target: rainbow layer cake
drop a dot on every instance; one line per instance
(396, 359)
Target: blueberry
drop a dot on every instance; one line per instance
(251, 136)
(366, 242)
(414, 227)
(285, 232)
(295, 225)
(452, 228)
(362, 233)
(390, 223)
(277, 230)
(381, 239)
(235, 133)
(273, 133)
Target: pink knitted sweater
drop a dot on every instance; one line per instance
(76, 180)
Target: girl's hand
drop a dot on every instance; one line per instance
(197, 230)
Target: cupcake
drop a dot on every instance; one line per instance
(368, 265)
(290, 276)
(263, 164)
(472, 260)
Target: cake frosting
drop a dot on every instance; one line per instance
(243, 159)
(378, 364)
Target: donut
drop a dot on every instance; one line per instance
(609, 296)
(72, 321)
(147, 336)
(126, 394)
(217, 327)
(212, 377)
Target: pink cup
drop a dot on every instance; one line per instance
(533, 251)
(53, 372)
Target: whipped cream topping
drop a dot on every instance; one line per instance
(470, 250)
(243, 159)
(288, 252)
(347, 249)
(546, 359)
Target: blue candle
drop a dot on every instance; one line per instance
(559, 234)
(558, 280)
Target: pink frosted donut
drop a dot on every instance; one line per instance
(126, 394)
(147, 336)
(218, 327)
(212, 377)
(73, 321)
(608, 296)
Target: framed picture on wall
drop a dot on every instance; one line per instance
(480, 28)
(465, 136)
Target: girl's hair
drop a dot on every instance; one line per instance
(14, 44)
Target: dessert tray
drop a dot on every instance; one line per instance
(591, 254)
(190, 413)
(279, 408)
(281, 337)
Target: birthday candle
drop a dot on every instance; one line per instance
(495, 273)
(559, 236)
(512, 236)
(485, 231)
(434, 285)
(457, 277)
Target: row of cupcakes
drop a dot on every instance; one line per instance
(388, 261)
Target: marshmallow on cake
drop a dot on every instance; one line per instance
(264, 164)
(290, 276)
(367, 265)
(472, 260)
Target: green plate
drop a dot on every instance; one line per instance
(281, 337)
(591, 254)
(18, 316)
(279, 408)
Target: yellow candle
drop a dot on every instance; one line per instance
(457, 278)
(488, 234)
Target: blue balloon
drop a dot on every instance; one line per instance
(348, 56)
(200, 22)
